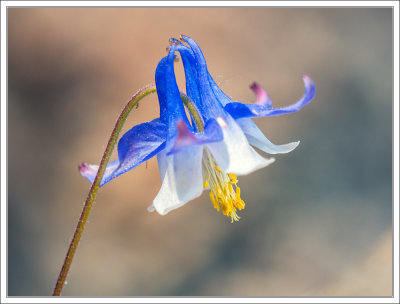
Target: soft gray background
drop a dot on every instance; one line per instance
(317, 221)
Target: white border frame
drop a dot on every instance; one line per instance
(394, 4)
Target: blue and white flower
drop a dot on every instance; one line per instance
(210, 152)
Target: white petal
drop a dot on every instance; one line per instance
(234, 154)
(183, 179)
(162, 168)
(258, 139)
(162, 163)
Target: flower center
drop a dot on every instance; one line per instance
(224, 192)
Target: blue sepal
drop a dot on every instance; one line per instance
(240, 110)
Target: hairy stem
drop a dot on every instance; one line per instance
(96, 185)
(102, 167)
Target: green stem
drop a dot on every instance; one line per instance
(193, 111)
(96, 185)
(102, 167)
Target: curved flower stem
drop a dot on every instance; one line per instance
(96, 185)
(102, 167)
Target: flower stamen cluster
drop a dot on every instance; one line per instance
(224, 192)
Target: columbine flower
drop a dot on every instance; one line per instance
(233, 154)
(212, 151)
(188, 166)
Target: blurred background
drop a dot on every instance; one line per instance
(317, 222)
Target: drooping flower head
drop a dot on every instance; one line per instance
(208, 153)
(233, 154)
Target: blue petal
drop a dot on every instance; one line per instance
(240, 110)
(219, 94)
(161, 83)
(209, 105)
(191, 86)
(175, 109)
(139, 144)
(171, 106)
(189, 62)
(136, 146)
(185, 136)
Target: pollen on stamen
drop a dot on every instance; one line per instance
(218, 169)
(224, 192)
(214, 201)
(232, 176)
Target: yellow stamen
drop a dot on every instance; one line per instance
(218, 169)
(232, 176)
(239, 204)
(226, 191)
(222, 193)
(238, 191)
(214, 201)
(218, 191)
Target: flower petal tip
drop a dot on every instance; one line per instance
(291, 146)
(184, 38)
(173, 41)
(262, 96)
(307, 80)
(88, 171)
(85, 169)
(310, 88)
(82, 167)
(254, 85)
(151, 208)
